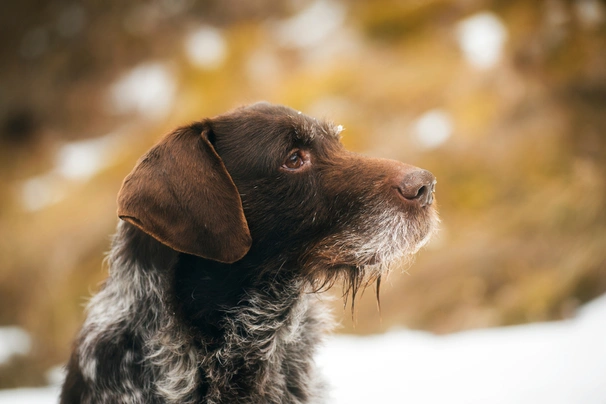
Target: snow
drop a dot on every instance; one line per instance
(73, 161)
(481, 38)
(433, 128)
(148, 89)
(206, 47)
(13, 341)
(41, 191)
(83, 159)
(56, 375)
(558, 362)
(312, 25)
(41, 395)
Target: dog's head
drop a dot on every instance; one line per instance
(266, 182)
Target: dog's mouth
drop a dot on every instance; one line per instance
(398, 238)
(363, 258)
(393, 250)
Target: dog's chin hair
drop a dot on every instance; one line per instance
(359, 262)
(356, 279)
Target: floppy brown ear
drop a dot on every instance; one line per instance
(181, 194)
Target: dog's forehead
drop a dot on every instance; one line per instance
(307, 129)
(286, 121)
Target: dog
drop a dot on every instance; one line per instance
(229, 227)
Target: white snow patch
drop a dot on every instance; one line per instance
(561, 362)
(41, 191)
(481, 38)
(74, 161)
(13, 341)
(43, 395)
(206, 47)
(433, 128)
(82, 159)
(148, 89)
(56, 375)
(312, 25)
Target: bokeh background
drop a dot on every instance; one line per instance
(503, 100)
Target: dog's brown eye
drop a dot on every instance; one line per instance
(296, 160)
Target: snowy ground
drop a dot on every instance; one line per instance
(42, 395)
(559, 362)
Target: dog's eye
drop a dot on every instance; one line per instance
(296, 160)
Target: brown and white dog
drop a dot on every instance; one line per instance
(228, 227)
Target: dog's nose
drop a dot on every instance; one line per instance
(418, 186)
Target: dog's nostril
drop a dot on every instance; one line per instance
(421, 192)
(418, 186)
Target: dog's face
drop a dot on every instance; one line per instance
(265, 182)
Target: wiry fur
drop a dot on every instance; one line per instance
(269, 327)
(384, 239)
(173, 327)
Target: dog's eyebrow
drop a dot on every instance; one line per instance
(306, 129)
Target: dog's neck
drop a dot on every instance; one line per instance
(210, 295)
(227, 330)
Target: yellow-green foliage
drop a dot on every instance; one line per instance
(521, 181)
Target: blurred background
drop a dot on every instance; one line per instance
(503, 100)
